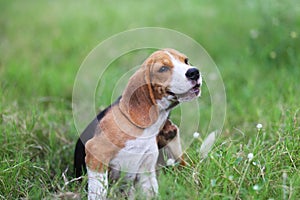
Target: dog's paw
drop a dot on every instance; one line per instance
(168, 133)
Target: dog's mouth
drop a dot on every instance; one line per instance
(195, 90)
(189, 95)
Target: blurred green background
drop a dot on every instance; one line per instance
(254, 43)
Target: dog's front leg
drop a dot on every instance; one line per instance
(168, 141)
(97, 185)
(147, 184)
(146, 181)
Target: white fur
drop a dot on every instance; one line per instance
(165, 102)
(139, 156)
(179, 83)
(97, 185)
(131, 157)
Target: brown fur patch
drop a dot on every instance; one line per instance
(137, 102)
(159, 81)
(177, 55)
(112, 133)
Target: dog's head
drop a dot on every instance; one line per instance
(165, 78)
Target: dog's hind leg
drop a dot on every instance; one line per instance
(99, 152)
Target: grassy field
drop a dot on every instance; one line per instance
(255, 44)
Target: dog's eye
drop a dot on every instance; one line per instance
(164, 69)
(186, 61)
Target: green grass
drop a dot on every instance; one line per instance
(255, 44)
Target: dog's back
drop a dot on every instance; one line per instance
(79, 154)
(88, 133)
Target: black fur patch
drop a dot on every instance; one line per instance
(88, 133)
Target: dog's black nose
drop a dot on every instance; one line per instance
(192, 74)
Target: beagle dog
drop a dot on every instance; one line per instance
(127, 138)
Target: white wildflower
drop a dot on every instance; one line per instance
(230, 177)
(213, 182)
(259, 126)
(250, 156)
(256, 187)
(170, 162)
(196, 135)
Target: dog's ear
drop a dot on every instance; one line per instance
(137, 102)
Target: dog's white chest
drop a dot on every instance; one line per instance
(137, 156)
(140, 155)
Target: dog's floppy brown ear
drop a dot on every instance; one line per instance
(137, 102)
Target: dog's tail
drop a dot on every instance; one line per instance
(79, 159)
(79, 154)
